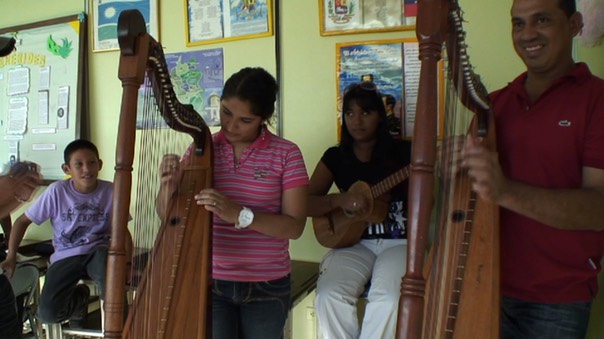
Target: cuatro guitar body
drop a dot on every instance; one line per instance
(339, 228)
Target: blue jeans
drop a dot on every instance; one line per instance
(250, 310)
(522, 319)
(57, 301)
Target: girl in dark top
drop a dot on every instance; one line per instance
(367, 153)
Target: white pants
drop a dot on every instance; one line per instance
(343, 275)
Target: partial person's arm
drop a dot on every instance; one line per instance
(571, 209)
(7, 224)
(287, 225)
(18, 186)
(16, 236)
(292, 219)
(320, 202)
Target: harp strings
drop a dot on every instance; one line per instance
(452, 216)
(154, 139)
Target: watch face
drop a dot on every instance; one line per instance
(246, 216)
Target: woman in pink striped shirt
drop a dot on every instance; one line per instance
(259, 203)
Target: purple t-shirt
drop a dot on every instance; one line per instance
(80, 222)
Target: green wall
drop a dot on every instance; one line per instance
(308, 76)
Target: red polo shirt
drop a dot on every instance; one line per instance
(546, 144)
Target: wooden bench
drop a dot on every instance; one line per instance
(304, 281)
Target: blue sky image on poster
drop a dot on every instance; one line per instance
(248, 17)
(383, 61)
(109, 11)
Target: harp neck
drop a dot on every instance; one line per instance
(471, 91)
(141, 58)
(141, 55)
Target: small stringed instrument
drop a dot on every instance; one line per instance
(339, 229)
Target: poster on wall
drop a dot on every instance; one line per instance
(212, 21)
(394, 67)
(197, 78)
(41, 93)
(363, 16)
(104, 16)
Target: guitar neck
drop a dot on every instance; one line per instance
(391, 181)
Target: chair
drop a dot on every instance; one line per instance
(25, 287)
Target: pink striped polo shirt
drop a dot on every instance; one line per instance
(269, 166)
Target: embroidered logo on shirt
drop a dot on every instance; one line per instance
(260, 173)
(564, 123)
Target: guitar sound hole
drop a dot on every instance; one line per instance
(458, 216)
(174, 221)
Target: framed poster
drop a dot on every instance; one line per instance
(104, 15)
(366, 16)
(42, 92)
(197, 78)
(213, 21)
(394, 67)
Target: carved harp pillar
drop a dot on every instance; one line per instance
(172, 280)
(454, 291)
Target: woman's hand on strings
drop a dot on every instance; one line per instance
(169, 170)
(170, 174)
(219, 204)
(353, 204)
(484, 169)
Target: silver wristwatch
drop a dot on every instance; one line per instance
(246, 217)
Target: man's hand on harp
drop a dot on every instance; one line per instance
(484, 169)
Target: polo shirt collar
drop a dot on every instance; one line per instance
(580, 73)
(262, 141)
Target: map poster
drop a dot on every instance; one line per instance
(197, 78)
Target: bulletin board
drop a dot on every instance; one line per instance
(42, 92)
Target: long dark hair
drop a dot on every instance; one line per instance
(366, 96)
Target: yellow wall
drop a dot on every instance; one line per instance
(308, 74)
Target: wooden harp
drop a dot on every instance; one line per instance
(172, 291)
(455, 292)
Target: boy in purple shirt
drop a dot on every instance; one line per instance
(79, 209)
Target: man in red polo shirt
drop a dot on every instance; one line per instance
(548, 177)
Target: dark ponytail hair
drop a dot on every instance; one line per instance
(255, 86)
